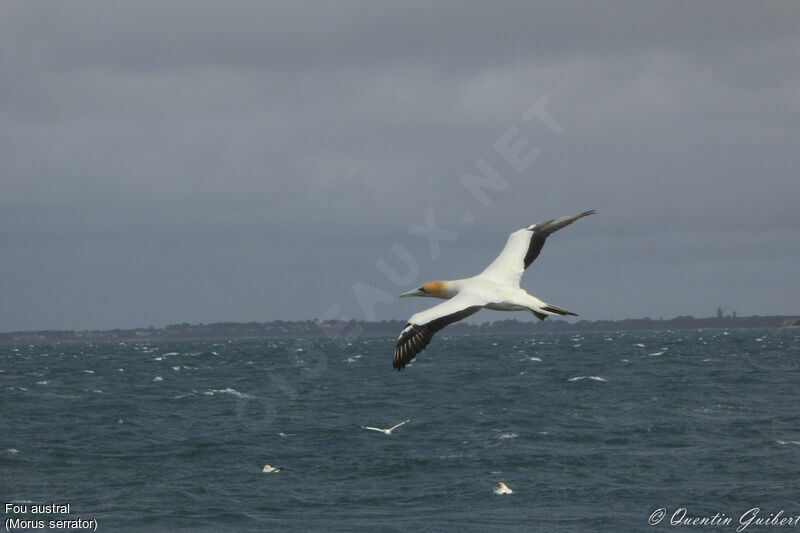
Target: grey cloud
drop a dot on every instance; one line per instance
(202, 161)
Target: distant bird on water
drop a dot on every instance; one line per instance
(497, 288)
(502, 488)
(386, 431)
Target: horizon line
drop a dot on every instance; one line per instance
(320, 322)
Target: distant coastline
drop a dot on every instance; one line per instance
(386, 328)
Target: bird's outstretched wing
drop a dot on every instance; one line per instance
(398, 425)
(421, 326)
(522, 247)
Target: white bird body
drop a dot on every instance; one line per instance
(496, 288)
(386, 431)
(495, 295)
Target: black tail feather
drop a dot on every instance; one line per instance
(537, 314)
(557, 310)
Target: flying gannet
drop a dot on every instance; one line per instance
(497, 288)
(386, 431)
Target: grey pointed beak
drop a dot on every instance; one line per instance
(415, 292)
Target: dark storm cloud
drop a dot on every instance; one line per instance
(203, 161)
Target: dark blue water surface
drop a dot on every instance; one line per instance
(592, 431)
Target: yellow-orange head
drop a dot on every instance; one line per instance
(434, 289)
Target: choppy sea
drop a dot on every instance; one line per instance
(605, 431)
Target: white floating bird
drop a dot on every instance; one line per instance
(272, 469)
(386, 431)
(502, 488)
(593, 378)
(497, 288)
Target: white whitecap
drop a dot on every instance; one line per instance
(228, 390)
(158, 378)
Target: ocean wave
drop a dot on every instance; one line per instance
(212, 392)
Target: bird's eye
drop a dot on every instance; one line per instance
(422, 289)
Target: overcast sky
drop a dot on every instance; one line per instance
(195, 161)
